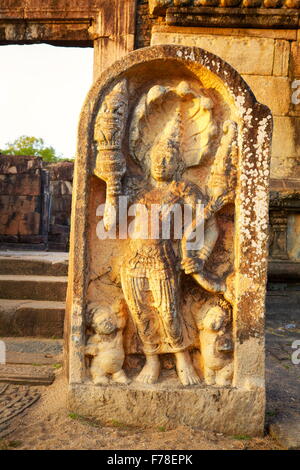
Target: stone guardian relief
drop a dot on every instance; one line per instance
(172, 183)
(170, 130)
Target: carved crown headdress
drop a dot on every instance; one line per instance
(111, 118)
(108, 133)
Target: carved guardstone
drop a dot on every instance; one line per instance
(165, 315)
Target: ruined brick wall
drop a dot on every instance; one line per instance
(35, 203)
(20, 199)
(144, 23)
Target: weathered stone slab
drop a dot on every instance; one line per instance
(46, 264)
(26, 374)
(61, 171)
(33, 287)
(62, 204)
(235, 17)
(286, 132)
(15, 203)
(13, 164)
(52, 347)
(20, 223)
(30, 224)
(295, 76)
(285, 147)
(49, 9)
(74, 33)
(287, 433)
(59, 229)
(275, 92)
(43, 319)
(171, 124)
(295, 58)
(281, 58)
(61, 188)
(167, 404)
(287, 34)
(33, 358)
(287, 271)
(20, 185)
(251, 56)
(20, 215)
(61, 218)
(31, 238)
(190, 8)
(8, 239)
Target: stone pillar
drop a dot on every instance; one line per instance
(113, 33)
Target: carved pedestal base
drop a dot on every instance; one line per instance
(226, 409)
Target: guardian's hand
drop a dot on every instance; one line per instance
(192, 265)
(221, 201)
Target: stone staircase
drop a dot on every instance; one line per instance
(32, 294)
(32, 307)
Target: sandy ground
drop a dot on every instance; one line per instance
(48, 425)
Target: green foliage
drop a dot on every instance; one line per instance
(57, 366)
(83, 420)
(74, 416)
(162, 428)
(7, 445)
(32, 146)
(15, 444)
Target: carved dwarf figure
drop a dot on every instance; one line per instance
(106, 345)
(216, 344)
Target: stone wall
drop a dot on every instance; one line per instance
(35, 203)
(144, 23)
(21, 201)
(61, 179)
(284, 246)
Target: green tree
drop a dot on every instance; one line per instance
(26, 145)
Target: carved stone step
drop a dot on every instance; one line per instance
(33, 287)
(283, 271)
(26, 374)
(37, 264)
(31, 351)
(31, 318)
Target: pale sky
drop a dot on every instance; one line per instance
(42, 90)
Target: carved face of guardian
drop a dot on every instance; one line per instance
(104, 322)
(164, 162)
